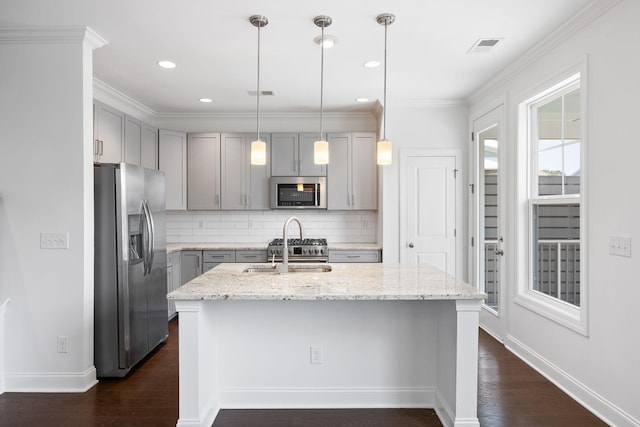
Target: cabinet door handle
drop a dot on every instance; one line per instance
(217, 200)
(348, 200)
(295, 166)
(353, 256)
(248, 200)
(101, 147)
(353, 200)
(96, 147)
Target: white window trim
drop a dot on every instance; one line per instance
(561, 312)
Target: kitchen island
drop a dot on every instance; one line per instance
(360, 335)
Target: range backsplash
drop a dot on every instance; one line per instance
(263, 226)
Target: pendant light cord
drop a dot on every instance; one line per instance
(384, 116)
(321, 81)
(258, 92)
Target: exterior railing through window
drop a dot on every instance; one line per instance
(558, 270)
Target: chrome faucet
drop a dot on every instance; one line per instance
(285, 250)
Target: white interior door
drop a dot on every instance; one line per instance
(428, 210)
(488, 215)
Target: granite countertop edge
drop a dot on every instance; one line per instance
(176, 247)
(346, 282)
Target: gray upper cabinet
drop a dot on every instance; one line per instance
(203, 171)
(108, 134)
(172, 160)
(140, 143)
(243, 186)
(352, 175)
(292, 155)
(132, 140)
(149, 147)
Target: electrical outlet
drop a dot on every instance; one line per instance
(54, 240)
(63, 344)
(316, 354)
(620, 245)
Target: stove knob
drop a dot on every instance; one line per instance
(279, 251)
(322, 251)
(305, 251)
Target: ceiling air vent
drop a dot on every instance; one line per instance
(484, 45)
(262, 93)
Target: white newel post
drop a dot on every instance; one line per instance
(468, 312)
(197, 361)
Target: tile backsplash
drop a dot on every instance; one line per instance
(263, 226)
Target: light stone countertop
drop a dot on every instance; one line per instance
(173, 247)
(374, 281)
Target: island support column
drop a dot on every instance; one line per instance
(468, 313)
(197, 364)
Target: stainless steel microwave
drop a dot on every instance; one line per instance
(299, 192)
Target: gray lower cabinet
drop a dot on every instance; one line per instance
(368, 255)
(190, 265)
(251, 256)
(212, 258)
(173, 279)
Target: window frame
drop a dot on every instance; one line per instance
(551, 307)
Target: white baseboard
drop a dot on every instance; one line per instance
(444, 411)
(51, 382)
(273, 398)
(592, 401)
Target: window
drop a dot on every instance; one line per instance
(554, 284)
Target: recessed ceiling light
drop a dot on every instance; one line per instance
(372, 64)
(206, 100)
(328, 43)
(362, 99)
(166, 64)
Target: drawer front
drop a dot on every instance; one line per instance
(219, 256)
(354, 256)
(251, 256)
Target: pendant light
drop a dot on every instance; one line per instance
(384, 147)
(258, 147)
(321, 146)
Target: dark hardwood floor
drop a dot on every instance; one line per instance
(510, 394)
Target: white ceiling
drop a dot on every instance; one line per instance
(215, 48)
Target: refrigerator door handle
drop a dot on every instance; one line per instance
(152, 232)
(145, 242)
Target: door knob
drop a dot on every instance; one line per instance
(410, 244)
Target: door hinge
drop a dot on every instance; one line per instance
(472, 136)
(472, 242)
(472, 188)
(455, 232)
(455, 173)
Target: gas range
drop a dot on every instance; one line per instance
(300, 250)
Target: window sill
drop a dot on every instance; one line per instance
(563, 313)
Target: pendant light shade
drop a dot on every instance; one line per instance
(321, 152)
(384, 147)
(258, 147)
(321, 147)
(384, 152)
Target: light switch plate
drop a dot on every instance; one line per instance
(54, 240)
(620, 245)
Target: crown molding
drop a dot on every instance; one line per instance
(74, 34)
(430, 103)
(272, 115)
(586, 16)
(117, 99)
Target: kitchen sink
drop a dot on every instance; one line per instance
(292, 269)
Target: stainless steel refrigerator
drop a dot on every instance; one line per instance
(130, 266)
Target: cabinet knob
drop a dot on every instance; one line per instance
(410, 244)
